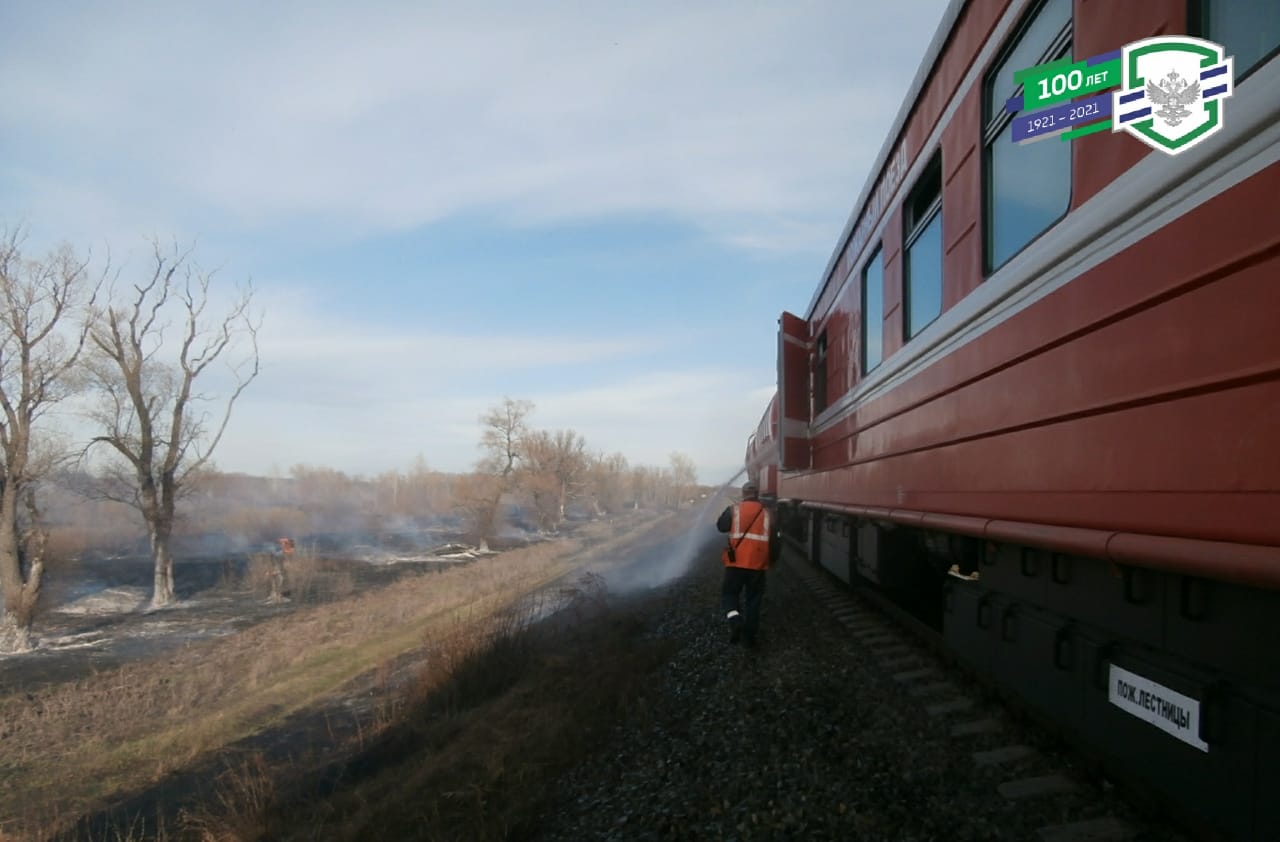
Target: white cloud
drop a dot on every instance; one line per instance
(729, 116)
(317, 121)
(361, 398)
(313, 358)
(646, 418)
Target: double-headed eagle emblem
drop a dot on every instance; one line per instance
(1173, 94)
(1167, 111)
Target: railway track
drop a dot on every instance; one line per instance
(1019, 758)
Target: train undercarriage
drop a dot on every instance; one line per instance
(1167, 682)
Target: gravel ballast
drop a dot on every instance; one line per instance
(823, 732)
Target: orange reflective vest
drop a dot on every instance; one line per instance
(749, 537)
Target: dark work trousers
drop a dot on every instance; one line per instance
(737, 580)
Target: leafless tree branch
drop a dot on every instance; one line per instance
(148, 413)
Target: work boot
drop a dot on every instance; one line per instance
(735, 626)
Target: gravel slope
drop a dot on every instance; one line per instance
(807, 737)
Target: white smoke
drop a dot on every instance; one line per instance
(672, 560)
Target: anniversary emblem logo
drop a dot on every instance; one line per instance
(1170, 95)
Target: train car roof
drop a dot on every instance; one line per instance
(940, 36)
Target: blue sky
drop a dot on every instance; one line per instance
(600, 207)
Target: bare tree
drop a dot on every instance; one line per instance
(418, 493)
(156, 424)
(608, 475)
(502, 440)
(643, 481)
(38, 348)
(556, 464)
(503, 436)
(663, 486)
(652, 487)
(684, 476)
(474, 497)
(330, 497)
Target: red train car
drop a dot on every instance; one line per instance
(1036, 399)
(762, 453)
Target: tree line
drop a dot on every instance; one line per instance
(308, 500)
(553, 470)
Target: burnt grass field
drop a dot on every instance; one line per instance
(95, 613)
(436, 695)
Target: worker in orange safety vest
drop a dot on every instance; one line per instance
(753, 546)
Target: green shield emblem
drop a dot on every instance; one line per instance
(1172, 91)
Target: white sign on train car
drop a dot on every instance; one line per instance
(1168, 710)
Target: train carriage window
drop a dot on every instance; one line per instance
(1248, 29)
(872, 312)
(820, 375)
(1028, 188)
(922, 241)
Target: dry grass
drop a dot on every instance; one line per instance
(72, 748)
(477, 748)
(308, 578)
